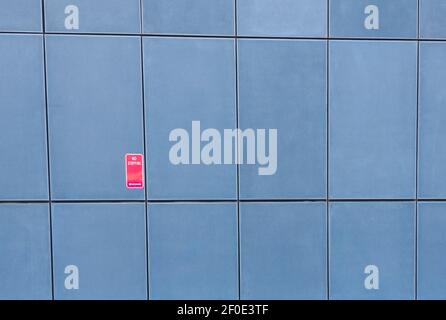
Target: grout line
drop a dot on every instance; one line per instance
(417, 150)
(145, 149)
(282, 200)
(48, 149)
(22, 32)
(193, 201)
(372, 200)
(327, 204)
(24, 201)
(237, 119)
(97, 201)
(264, 37)
(166, 201)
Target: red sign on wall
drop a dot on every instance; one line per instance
(134, 171)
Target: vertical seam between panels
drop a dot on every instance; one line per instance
(143, 99)
(327, 84)
(417, 151)
(50, 209)
(237, 119)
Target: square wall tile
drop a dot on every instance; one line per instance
(432, 131)
(23, 153)
(374, 19)
(431, 249)
(95, 115)
(283, 251)
(209, 17)
(99, 251)
(285, 18)
(102, 16)
(432, 21)
(282, 86)
(372, 250)
(25, 264)
(189, 81)
(193, 251)
(21, 15)
(373, 119)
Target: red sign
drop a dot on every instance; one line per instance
(134, 171)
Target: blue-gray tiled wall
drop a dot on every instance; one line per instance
(358, 104)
